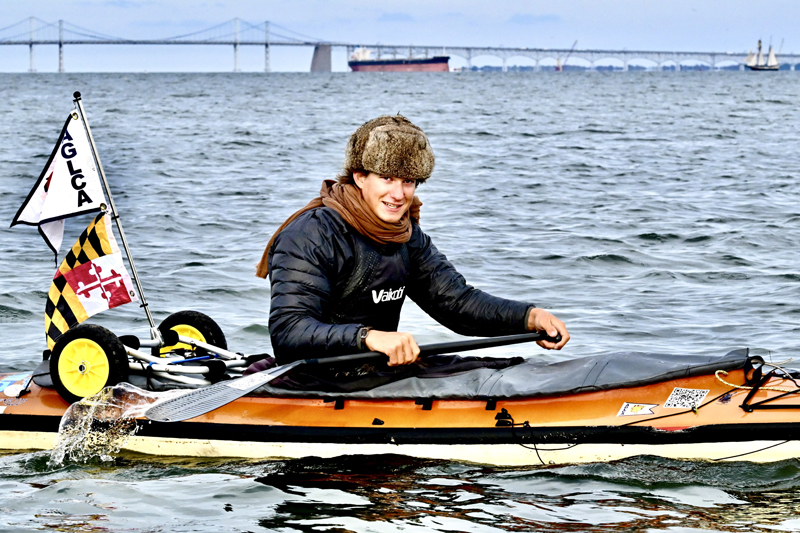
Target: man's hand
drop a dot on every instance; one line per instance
(401, 347)
(541, 320)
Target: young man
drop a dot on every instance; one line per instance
(341, 267)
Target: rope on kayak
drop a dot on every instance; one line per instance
(751, 452)
(694, 410)
(786, 376)
(534, 446)
(747, 387)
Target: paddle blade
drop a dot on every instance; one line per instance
(201, 401)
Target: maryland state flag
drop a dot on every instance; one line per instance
(92, 278)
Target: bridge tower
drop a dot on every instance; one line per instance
(32, 67)
(236, 45)
(266, 46)
(321, 61)
(61, 46)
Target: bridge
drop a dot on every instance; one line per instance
(33, 32)
(592, 57)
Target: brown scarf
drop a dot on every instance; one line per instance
(346, 199)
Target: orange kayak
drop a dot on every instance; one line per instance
(750, 413)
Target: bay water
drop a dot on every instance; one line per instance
(651, 211)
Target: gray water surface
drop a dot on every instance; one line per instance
(650, 211)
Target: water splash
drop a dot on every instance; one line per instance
(99, 426)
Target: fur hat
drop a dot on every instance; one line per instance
(390, 146)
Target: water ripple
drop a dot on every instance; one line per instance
(650, 210)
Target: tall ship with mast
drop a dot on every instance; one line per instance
(756, 61)
(361, 60)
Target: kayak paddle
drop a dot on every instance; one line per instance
(201, 401)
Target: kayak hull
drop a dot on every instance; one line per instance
(586, 427)
(487, 454)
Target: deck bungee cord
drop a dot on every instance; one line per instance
(758, 380)
(755, 380)
(505, 419)
(745, 454)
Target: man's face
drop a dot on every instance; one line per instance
(389, 198)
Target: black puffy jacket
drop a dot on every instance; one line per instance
(328, 281)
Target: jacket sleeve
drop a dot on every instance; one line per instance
(443, 293)
(303, 270)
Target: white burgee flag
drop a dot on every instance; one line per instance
(68, 186)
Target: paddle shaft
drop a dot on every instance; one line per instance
(201, 401)
(444, 347)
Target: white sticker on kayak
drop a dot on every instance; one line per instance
(685, 398)
(247, 382)
(13, 390)
(634, 409)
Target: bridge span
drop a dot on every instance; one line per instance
(34, 32)
(658, 59)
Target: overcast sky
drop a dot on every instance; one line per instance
(682, 25)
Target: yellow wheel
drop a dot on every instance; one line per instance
(85, 360)
(83, 367)
(186, 331)
(194, 325)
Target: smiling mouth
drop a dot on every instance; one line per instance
(392, 206)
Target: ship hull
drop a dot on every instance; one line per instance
(434, 64)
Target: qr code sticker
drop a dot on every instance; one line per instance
(685, 398)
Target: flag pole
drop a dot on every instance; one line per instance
(155, 334)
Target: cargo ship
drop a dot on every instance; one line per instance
(361, 61)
